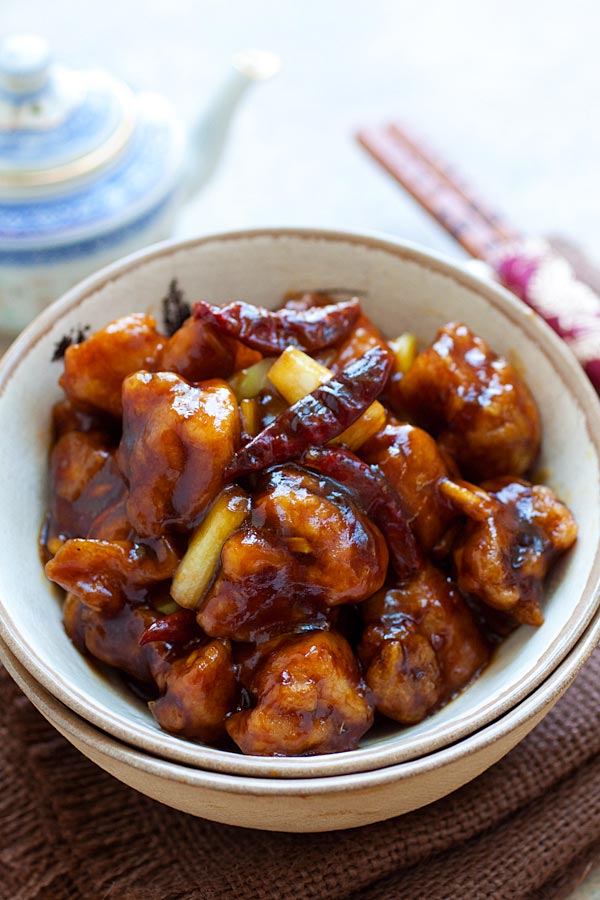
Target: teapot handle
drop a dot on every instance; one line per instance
(208, 134)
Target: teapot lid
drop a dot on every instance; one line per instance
(56, 124)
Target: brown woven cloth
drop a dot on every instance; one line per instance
(528, 828)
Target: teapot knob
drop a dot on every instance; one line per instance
(24, 63)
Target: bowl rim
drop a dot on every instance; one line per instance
(363, 759)
(546, 694)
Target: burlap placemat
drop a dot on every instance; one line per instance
(527, 828)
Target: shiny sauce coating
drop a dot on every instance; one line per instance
(340, 585)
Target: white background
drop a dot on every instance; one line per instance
(509, 91)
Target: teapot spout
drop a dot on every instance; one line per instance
(208, 134)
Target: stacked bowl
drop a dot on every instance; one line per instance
(395, 769)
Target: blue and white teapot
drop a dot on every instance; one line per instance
(90, 170)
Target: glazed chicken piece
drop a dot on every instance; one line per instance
(412, 463)
(84, 482)
(363, 336)
(476, 404)
(198, 351)
(260, 590)
(283, 577)
(305, 547)
(420, 646)
(115, 640)
(177, 440)
(199, 693)
(67, 417)
(198, 689)
(112, 523)
(309, 698)
(514, 533)
(105, 575)
(95, 369)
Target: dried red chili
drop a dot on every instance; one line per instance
(271, 332)
(316, 418)
(376, 495)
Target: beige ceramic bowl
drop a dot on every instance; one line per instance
(300, 804)
(406, 289)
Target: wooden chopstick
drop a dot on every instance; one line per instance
(454, 180)
(573, 314)
(439, 190)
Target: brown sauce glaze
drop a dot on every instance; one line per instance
(85, 482)
(197, 351)
(309, 697)
(306, 547)
(421, 645)
(95, 369)
(513, 533)
(108, 575)
(476, 405)
(177, 440)
(302, 611)
(413, 464)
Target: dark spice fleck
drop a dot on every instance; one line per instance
(75, 336)
(175, 309)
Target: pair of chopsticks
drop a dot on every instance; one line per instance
(533, 270)
(438, 189)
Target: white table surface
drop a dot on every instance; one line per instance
(510, 91)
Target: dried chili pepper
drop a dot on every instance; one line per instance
(376, 495)
(303, 300)
(271, 332)
(316, 418)
(176, 628)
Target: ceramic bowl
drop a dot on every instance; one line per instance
(300, 804)
(405, 289)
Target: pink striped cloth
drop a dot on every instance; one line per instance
(546, 281)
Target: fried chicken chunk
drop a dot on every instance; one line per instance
(106, 574)
(420, 646)
(85, 482)
(67, 417)
(309, 699)
(177, 440)
(199, 693)
(477, 405)
(305, 547)
(412, 463)
(363, 336)
(198, 351)
(95, 369)
(115, 640)
(198, 689)
(515, 530)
